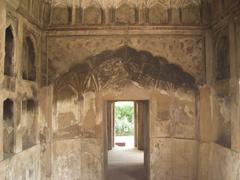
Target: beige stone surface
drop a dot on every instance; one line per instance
(179, 57)
(222, 163)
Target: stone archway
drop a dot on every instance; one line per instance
(135, 75)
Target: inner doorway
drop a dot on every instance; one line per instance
(127, 134)
(124, 124)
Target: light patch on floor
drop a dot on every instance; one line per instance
(125, 164)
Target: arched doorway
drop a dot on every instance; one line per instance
(123, 74)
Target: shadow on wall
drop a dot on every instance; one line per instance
(114, 68)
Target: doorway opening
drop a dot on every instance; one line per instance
(124, 124)
(127, 140)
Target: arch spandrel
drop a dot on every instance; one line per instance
(113, 69)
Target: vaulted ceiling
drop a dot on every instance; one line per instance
(117, 12)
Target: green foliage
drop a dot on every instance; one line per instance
(124, 123)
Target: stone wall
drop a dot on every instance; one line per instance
(219, 130)
(67, 59)
(124, 73)
(221, 163)
(19, 126)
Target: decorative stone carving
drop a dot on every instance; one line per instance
(191, 14)
(125, 14)
(158, 14)
(115, 68)
(92, 15)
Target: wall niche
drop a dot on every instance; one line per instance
(29, 119)
(222, 55)
(8, 128)
(9, 52)
(29, 60)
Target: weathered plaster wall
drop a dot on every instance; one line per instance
(190, 135)
(24, 165)
(24, 162)
(124, 74)
(219, 127)
(221, 163)
(187, 52)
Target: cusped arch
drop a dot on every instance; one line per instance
(61, 13)
(116, 68)
(66, 92)
(158, 14)
(9, 52)
(67, 109)
(92, 15)
(125, 14)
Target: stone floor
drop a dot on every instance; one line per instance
(125, 164)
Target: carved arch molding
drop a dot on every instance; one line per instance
(115, 69)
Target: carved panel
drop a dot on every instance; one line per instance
(92, 15)
(191, 15)
(61, 13)
(125, 14)
(67, 107)
(158, 15)
(113, 69)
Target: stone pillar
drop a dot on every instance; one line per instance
(2, 54)
(74, 11)
(175, 16)
(1, 130)
(17, 126)
(234, 86)
(142, 15)
(2, 36)
(236, 125)
(209, 58)
(107, 16)
(207, 125)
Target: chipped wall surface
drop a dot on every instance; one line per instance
(187, 52)
(172, 111)
(221, 147)
(24, 161)
(180, 56)
(25, 165)
(221, 163)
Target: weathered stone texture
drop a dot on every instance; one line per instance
(61, 61)
(185, 52)
(25, 165)
(80, 159)
(173, 159)
(221, 163)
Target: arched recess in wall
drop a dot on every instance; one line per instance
(29, 119)
(29, 60)
(157, 14)
(67, 110)
(222, 56)
(125, 14)
(9, 52)
(93, 15)
(115, 70)
(8, 128)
